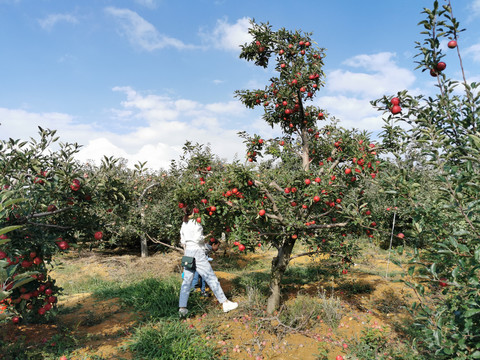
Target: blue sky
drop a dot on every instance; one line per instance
(138, 78)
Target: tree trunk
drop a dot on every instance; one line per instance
(279, 265)
(305, 150)
(143, 247)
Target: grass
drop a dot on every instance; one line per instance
(168, 340)
(155, 299)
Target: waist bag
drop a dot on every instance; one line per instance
(188, 262)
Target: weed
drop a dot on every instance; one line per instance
(376, 343)
(356, 287)
(91, 319)
(331, 309)
(302, 313)
(389, 302)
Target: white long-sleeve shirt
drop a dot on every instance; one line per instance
(191, 235)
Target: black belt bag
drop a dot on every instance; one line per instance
(188, 262)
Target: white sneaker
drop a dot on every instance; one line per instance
(182, 312)
(229, 306)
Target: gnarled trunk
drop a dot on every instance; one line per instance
(279, 265)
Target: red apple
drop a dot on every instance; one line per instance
(395, 109)
(261, 212)
(3, 255)
(15, 319)
(307, 181)
(316, 198)
(241, 247)
(443, 282)
(344, 271)
(401, 235)
(51, 208)
(26, 264)
(339, 357)
(196, 210)
(181, 205)
(395, 101)
(37, 260)
(452, 44)
(48, 292)
(42, 311)
(348, 171)
(441, 66)
(62, 244)
(98, 235)
(199, 219)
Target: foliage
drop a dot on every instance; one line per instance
(53, 213)
(443, 131)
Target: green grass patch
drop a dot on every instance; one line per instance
(171, 341)
(307, 274)
(155, 299)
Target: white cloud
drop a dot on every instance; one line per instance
(475, 7)
(51, 20)
(151, 4)
(227, 36)
(153, 128)
(382, 76)
(352, 112)
(474, 51)
(141, 33)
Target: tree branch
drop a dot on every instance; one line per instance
(48, 213)
(49, 225)
(164, 244)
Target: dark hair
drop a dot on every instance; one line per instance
(187, 213)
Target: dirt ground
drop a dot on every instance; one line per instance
(104, 326)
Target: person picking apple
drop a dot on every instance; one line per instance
(212, 245)
(193, 241)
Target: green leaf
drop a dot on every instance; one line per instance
(471, 312)
(9, 228)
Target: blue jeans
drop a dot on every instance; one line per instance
(205, 270)
(195, 281)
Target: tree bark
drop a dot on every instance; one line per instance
(279, 265)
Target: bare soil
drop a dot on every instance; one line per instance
(103, 327)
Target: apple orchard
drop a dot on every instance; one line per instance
(318, 187)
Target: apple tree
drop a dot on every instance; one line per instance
(309, 187)
(444, 131)
(53, 215)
